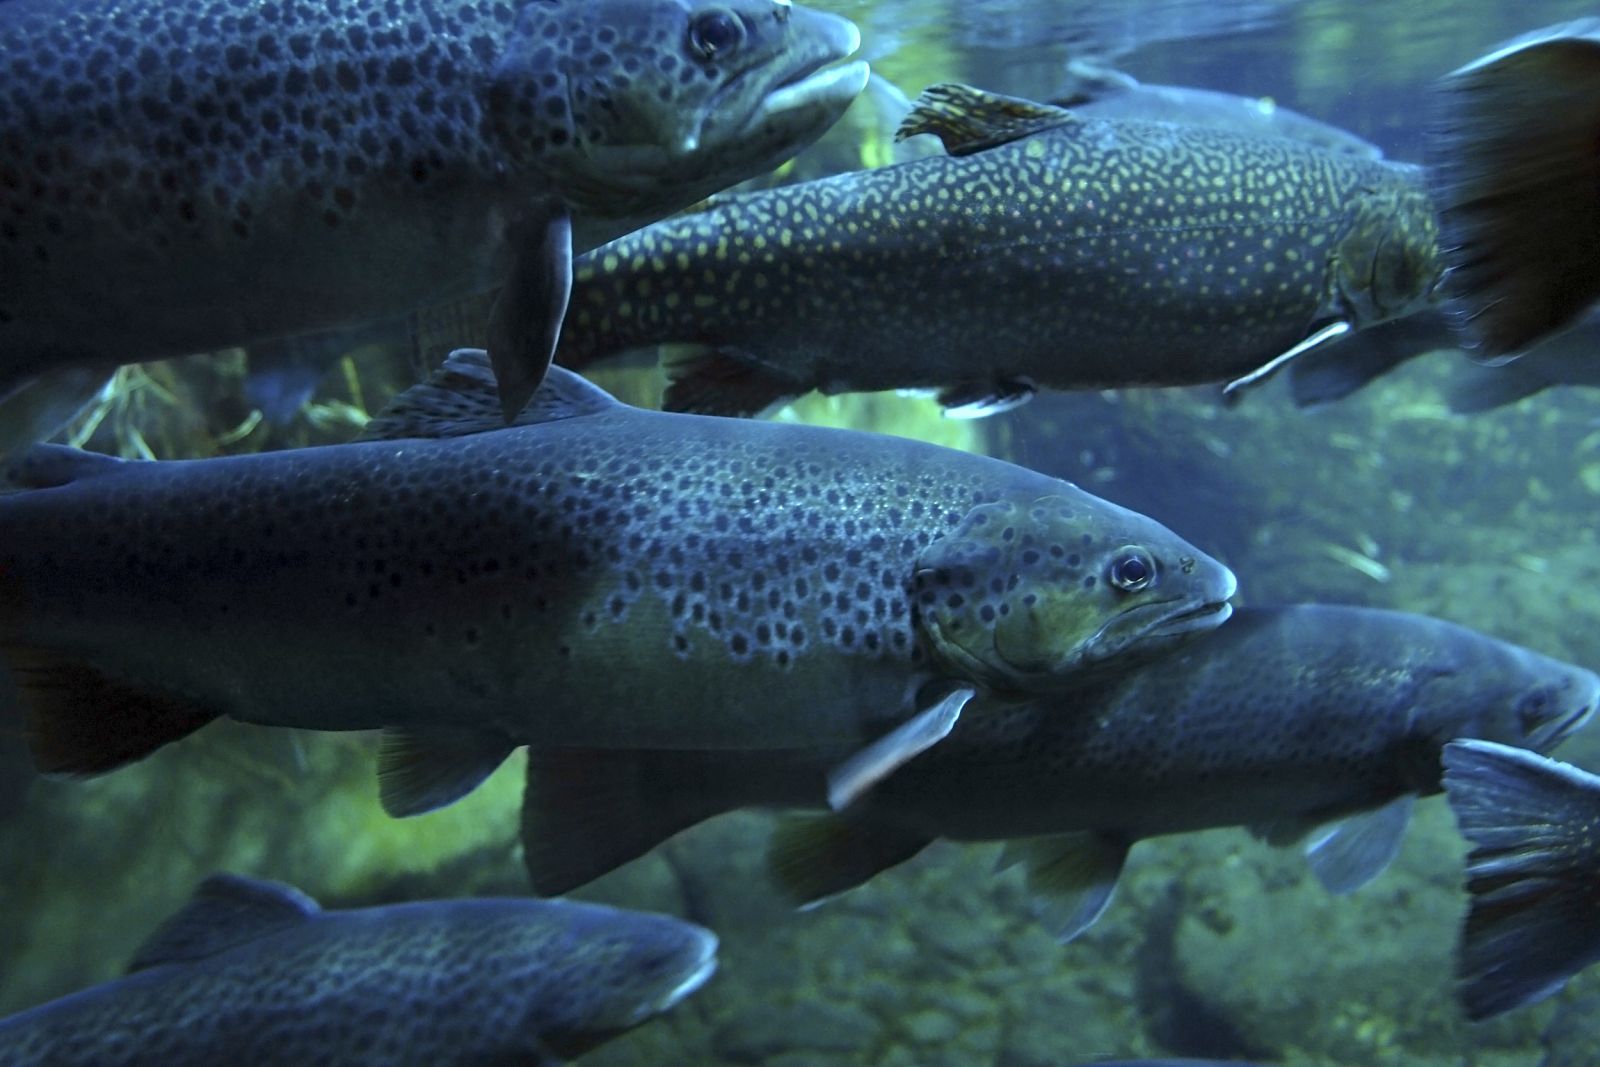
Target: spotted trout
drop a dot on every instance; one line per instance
(597, 575)
(179, 177)
(1045, 251)
(256, 973)
(1287, 720)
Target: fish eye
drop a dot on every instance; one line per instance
(713, 32)
(1132, 570)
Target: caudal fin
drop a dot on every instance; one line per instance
(1515, 175)
(1534, 919)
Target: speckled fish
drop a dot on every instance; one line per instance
(254, 972)
(596, 575)
(1046, 251)
(181, 177)
(1286, 720)
(1514, 171)
(1533, 875)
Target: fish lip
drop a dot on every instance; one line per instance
(809, 78)
(1558, 732)
(1207, 616)
(704, 967)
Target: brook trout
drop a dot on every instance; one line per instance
(256, 973)
(178, 178)
(598, 575)
(1046, 251)
(1286, 720)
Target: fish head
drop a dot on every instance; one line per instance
(1387, 263)
(634, 108)
(1509, 694)
(612, 970)
(1038, 595)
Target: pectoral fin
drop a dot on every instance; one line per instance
(1072, 877)
(422, 770)
(526, 321)
(1354, 851)
(1331, 332)
(41, 407)
(815, 857)
(872, 764)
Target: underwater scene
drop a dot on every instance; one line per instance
(896, 533)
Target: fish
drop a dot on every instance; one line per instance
(1098, 93)
(596, 575)
(1175, 1063)
(1532, 921)
(1512, 168)
(178, 179)
(1308, 723)
(252, 971)
(1044, 251)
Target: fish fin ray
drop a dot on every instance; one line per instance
(586, 812)
(459, 399)
(1070, 877)
(423, 770)
(870, 765)
(1531, 922)
(708, 380)
(82, 722)
(525, 323)
(1359, 848)
(40, 407)
(968, 120)
(226, 910)
(815, 857)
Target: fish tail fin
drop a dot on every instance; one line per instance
(586, 812)
(814, 857)
(1531, 875)
(1516, 179)
(82, 722)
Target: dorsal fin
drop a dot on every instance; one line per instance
(968, 120)
(226, 910)
(461, 398)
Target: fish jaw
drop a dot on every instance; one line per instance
(696, 97)
(1033, 597)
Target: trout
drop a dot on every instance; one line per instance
(178, 178)
(1045, 251)
(254, 972)
(596, 575)
(1312, 722)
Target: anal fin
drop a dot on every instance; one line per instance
(588, 811)
(980, 401)
(83, 722)
(814, 857)
(422, 770)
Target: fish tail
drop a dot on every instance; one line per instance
(1516, 179)
(1532, 922)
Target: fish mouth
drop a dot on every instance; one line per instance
(1557, 732)
(809, 81)
(703, 967)
(1207, 616)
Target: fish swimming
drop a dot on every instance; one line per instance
(1285, 720)
(1046, 251)
(178, 178)
(596, 575)
(254, 972)
(1533, 921)
(1513, 170)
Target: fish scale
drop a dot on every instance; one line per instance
(1092, 253)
